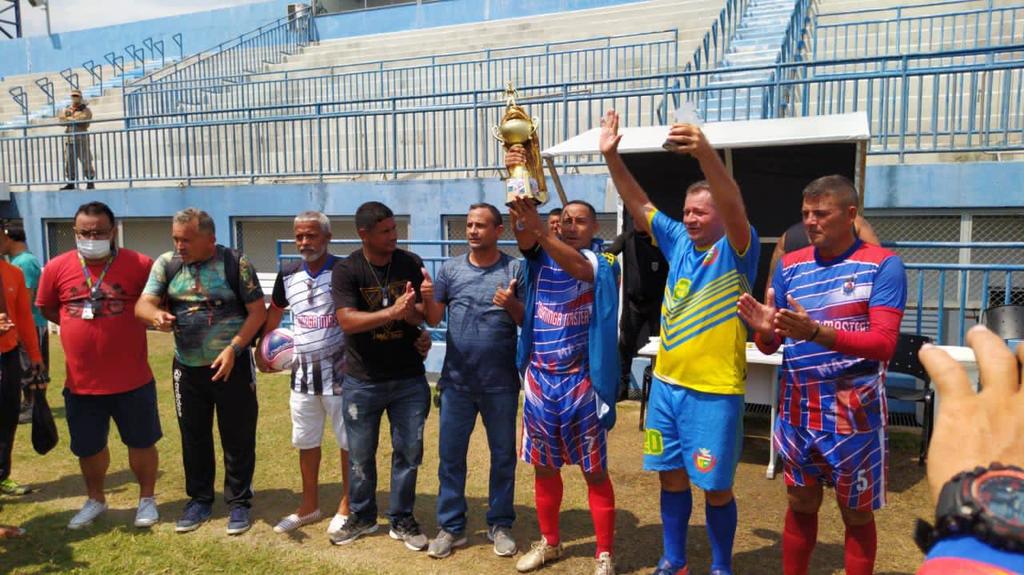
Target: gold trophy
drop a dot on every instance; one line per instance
(517, 127)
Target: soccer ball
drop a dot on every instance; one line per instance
(278, 348)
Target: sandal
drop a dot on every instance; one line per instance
(293, 521)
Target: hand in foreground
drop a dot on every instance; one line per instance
(423, 343)
(427, 287)
(524, 212)
(974, 429)
(163, 321)
(759, 316)
(505, 297)
(404, 305)
(794, 321)
(223, 365)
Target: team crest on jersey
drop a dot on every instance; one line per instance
(704, 460)
(710, 257)
(682, 289)
(848, 285)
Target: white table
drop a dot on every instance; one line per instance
(763, 380)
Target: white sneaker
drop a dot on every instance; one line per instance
(337, 522)
(604, 564)
(147, 514)
(85, 516)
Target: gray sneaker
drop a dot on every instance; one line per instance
(407, 530)
(441, 546)
(504, 544)
(147, 514)
(87, 514)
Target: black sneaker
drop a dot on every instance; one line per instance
(407, 530)
(353, 529)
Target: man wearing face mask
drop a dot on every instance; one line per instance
(91, 292)
(214, 305)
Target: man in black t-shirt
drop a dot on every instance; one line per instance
(379, 293)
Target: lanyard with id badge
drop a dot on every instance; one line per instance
(90, 305)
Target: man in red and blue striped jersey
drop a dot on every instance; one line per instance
(837, 306)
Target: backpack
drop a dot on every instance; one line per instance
(232, 272)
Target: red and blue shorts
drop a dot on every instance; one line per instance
(560, 421)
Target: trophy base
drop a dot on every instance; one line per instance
(517, 188)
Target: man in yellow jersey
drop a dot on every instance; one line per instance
(695, 415)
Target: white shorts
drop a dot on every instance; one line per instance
(308, 415)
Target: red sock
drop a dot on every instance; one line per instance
(861, 546)
(548, 496)
(798, 540)
(602, 510)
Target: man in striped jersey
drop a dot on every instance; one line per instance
(569, 351)
(694, 422)
(837, 306)
(305, 287)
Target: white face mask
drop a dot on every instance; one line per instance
(93, 249)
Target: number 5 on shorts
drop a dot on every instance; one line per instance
(861, 484)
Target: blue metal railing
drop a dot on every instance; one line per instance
(715, 42)
(547, 67)
(916, 28)
(244, 54)
(912, 108)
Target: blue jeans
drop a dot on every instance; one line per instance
(458, 417)
(407, 402)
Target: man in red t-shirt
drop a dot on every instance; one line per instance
(91, 292)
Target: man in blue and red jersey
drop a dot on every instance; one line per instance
(694, 424)
(568, 348)
(837, 306)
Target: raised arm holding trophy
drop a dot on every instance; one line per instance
(517, 128)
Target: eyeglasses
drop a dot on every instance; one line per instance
(94, 234)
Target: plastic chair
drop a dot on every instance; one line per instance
(1006, 321)
(904, 360)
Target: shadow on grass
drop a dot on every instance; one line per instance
(72, 485)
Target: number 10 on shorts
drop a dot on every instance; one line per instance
(653, 444)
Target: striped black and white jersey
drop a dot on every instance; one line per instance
(319, 342)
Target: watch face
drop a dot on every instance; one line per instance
(1001, 493)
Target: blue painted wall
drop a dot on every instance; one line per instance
(954, 185)
(203, 30)
(423, 202)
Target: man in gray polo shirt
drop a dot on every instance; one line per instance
(479, 377)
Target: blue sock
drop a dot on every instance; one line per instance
(721, 533)
(676, 507)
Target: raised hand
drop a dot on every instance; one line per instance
(610, 137)
(427, 287)
(524, 211)
(975, 429)
(515, 156)
(405, 304)
(687, 139)
(794, 322)
(505, 297)
(759, 316)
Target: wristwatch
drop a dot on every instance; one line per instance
(987, 503)
(237, 348)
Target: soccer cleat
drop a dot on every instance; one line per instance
(666, 568)
(11, 487)
(604, 564)
(539, 554)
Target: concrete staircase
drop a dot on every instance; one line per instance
(756, 42)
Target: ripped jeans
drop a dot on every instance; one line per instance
(407, 402)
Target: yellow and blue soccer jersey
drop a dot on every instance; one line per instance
(703, 340)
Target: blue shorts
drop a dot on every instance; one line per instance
(856, 464)
(560, 422)
(696, 431)
(134, 412)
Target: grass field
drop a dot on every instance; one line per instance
(112, 545)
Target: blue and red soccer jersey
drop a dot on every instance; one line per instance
(560, 413)
(826, 390)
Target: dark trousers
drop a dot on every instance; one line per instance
(196, 398)
(458, 417)
(407, 402)
(637, 324)
(10, 406)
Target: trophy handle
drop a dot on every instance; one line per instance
(496, 132)
(535, 121)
